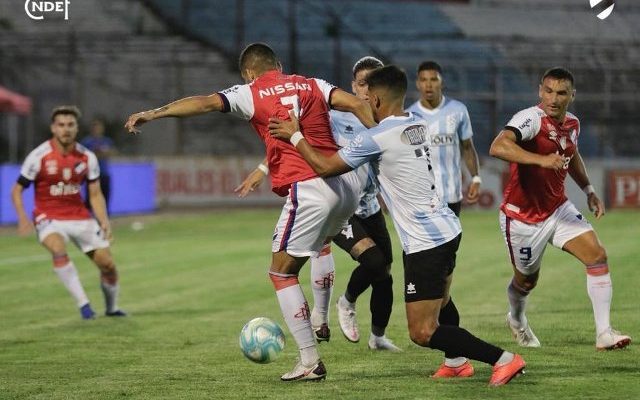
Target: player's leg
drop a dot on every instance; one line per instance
(322, 277)
(103, 259)
(576, 236)
(300, 233)
(381, 302)
(425, 283)
(454, 366)
(284, 272)
(526, 244)
(52, 236)
(353, 239)
(89, 237)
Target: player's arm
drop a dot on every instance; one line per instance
(25, 226)
(578, 173)
(99, 207)
(470, 157)
(321, 164)
(254, 179)
(505, 147)
(343, 101)
(186, 107)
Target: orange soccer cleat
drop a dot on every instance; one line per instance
(502, 374)
(463, 371)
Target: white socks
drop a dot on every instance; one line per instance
(322, 275)
(295, 311)
(600, 291)
(68, 274)
(517, 302)
(110, 295)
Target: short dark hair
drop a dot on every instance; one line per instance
(366, 63)
(429, 66)
(258, 56)
(559, 73)
(390, 77)
(66, 110)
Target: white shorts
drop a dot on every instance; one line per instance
(86, 234)
(526, 242)
(316, 209)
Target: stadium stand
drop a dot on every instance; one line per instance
(190, 47)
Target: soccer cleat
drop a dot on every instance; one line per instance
(524, 336)
(86, 312)
(116, 313)
(322, 333)
(315, 372)
(382, 343)
(611, 340)
(502, 374)
(347, 319)
(464, 371)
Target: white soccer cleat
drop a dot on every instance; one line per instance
(347, 319)
(315, 372)
(524, 335)
(382, 343)
(611, 340)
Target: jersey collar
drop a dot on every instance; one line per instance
(432, 111)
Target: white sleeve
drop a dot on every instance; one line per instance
(238, 101)
(525, 124)
(326, 88)
(94, 168)
(31, 166)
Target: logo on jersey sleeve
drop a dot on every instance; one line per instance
(411, 288)
(525, 124)
(414, 134)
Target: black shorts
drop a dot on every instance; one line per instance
(425, 272)
(455, 207)
(373, 227)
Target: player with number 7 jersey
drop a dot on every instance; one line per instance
(316, 208)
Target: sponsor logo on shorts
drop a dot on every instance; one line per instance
(411, 288)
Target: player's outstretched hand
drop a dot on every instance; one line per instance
(25, 227)
(474, 193)
(135, 120)
(250, 183)
(284, 129)
(552, 161)
(595, 205)
(106, 230)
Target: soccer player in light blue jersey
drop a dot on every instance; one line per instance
(399, 153)
(366, 238)
(450, 140)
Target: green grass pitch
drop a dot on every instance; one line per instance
(191, 281)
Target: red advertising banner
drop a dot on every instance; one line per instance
(623, 188)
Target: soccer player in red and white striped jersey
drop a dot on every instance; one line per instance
(541, 143)
(316, 208)
(58, 168)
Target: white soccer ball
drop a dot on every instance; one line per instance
(261, 340)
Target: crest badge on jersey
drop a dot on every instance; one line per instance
(66, 173)
(51, 166)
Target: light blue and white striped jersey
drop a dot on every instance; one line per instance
(447, 125)
(345, 126)
(397, 150)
